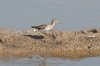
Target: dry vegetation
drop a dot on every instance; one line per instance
(50, 44)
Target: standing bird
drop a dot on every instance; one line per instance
(47, 27)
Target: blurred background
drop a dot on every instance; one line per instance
(73, 14)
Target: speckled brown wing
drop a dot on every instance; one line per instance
(43, 26)
(40, 27)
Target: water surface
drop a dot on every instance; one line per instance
(38, 61)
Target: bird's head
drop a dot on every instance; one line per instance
(54, 21)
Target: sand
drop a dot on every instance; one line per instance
(56, 43)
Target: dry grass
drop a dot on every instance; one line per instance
(72, 54)
(52, 44)
(15, 53)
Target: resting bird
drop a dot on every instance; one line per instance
(47, 27)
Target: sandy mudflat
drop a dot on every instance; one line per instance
(55, 43)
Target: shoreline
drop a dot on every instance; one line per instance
(56, 43)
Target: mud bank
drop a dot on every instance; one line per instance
(55, 43)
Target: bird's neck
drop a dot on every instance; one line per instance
(53, 24)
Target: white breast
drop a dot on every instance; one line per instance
(49, 27)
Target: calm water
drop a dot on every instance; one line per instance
(73, 14)
(36, 61)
